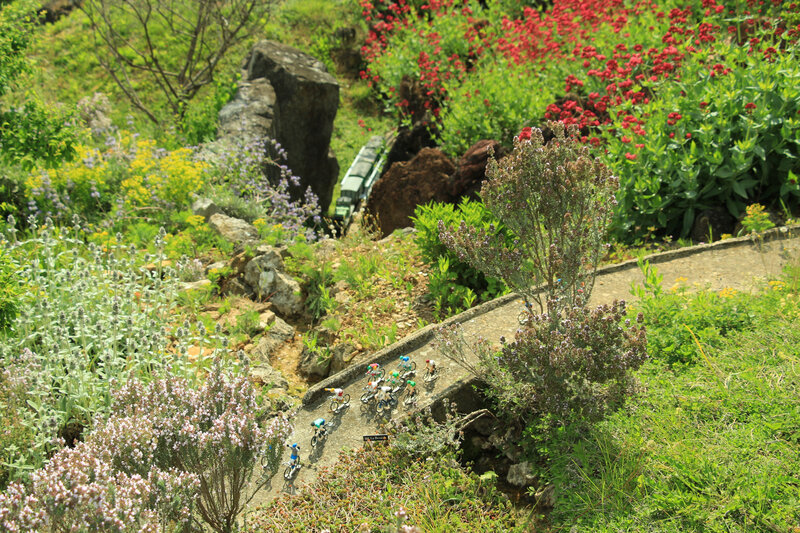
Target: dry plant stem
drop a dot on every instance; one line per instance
(205, 31)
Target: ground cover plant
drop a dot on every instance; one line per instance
(371, 487)
(364, 294)
(88, 317)
(698, 111)
(711, 442)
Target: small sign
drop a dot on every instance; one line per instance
(374, 438)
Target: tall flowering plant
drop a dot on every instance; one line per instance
(557, 200)
(567, 358)
(169, 454)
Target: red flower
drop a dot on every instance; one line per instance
(629, 156)
(525, 134)
(688, 135)
(749, 105)
(625, 139)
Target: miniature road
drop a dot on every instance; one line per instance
(739, 264)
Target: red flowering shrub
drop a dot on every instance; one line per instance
(619, 70)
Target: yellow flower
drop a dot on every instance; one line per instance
(727, 292)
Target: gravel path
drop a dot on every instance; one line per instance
(740, 264)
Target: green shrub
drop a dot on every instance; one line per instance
(367, 489)
(494, 102)
(91, 316)
(734, 143)
(10, 290)
(567, 361)
(453, 283)
(676, 317)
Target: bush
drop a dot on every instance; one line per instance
(91, 317)
(169, 454)
(130, 175)
(567, 359)
(9, 290)
(453, 282)
(256, 171)
(722, 137)
(675, 318)
(696, 112)
(370, 488)
(557, 200)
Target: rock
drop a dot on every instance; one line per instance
(273, 337)
(288, 96)
(266, 319)
(315, 362)
(712, 223)
(520, 475)
(249, 115)
(288, 297)
(341, 355)
(238, 262)
(406, 185)
(408, 143)
(268, 260)
(55, 9)
(236, 287)
(195, 285)
(205, 207)
(264, 373)
(234, 230)
(471, 170)
(264, 274)
(398, 234)
(546, 496)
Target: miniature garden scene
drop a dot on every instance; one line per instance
(399, 265)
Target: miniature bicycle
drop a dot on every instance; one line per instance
(293, 465)
(320, 432)
(372, 389)
(375, 372)
(411, 394)
(407, 366)
(339, 401)
(525, 314)
(431, 371)
(396, 381)
(386, 399)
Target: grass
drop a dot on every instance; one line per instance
(712, 443)
(365, 489)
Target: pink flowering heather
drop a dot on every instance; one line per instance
(168, 454)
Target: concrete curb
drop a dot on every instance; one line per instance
(425, 335)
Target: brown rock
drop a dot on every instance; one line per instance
(471, 170)
(406, 185)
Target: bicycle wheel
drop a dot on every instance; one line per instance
(314, 441)
(522, 318)
(413, 365)
(366, 397)
(334, 405)
(287, 474)
(346, 400)
(382, 373)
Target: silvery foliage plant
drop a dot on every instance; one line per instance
(91, 318)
